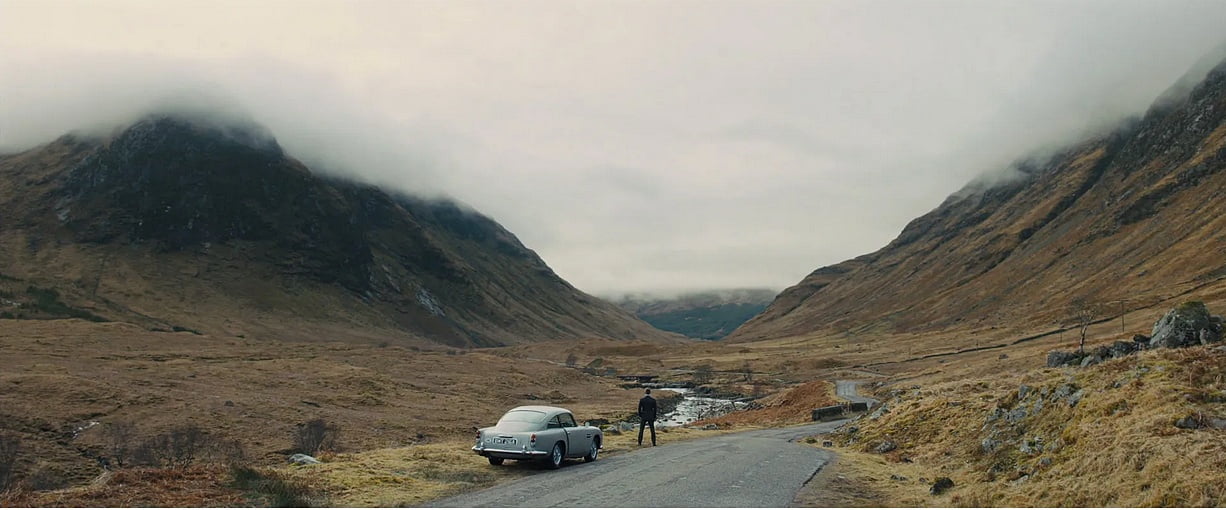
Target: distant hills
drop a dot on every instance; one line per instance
(1120, 221)
(188, 224)
(708, 315)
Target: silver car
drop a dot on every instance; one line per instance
(543, 433)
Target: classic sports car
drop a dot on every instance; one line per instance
(544, 433)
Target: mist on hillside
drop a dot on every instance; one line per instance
(635, 147)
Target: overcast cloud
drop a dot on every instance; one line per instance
(636, 146)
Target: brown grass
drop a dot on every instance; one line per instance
(1117, 447)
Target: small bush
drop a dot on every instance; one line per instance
(45, 478)
(178, 448)
(119, 438)
(316, 435)
(268, 488)
(10, 446)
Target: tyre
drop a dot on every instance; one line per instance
(494, 461)
(593, 453)
(555, 456)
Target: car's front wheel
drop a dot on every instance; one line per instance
(591, 454)
(495, 461)
(555, 456)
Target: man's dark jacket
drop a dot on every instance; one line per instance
(647, 408)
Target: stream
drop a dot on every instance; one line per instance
(693, 408)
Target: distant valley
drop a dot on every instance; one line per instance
(708, 315)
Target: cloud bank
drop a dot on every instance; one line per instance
(649, 146)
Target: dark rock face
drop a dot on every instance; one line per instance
(252, 226)
(1189, 324)
(183, 185)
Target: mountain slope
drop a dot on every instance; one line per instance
(178, 221)
(1119, 222)
(707, 315)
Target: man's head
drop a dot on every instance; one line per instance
(648, 391)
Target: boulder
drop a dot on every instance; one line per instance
(302, 459)
(942, 484)
(1186, 325)
(1031, 446)
(1061, 358)
(989, 445)
(1140, 340)
(1121, 349)
(1091, 360)
(886, 447)
(1188, 422)
(1075, 398)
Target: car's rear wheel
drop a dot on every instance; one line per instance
(591, 454)
(496, 461)
(555, 456)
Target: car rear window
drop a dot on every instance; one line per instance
(521, 421)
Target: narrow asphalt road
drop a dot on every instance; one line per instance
(761, 468)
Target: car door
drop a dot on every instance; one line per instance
(578, 440)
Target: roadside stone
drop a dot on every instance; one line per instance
(1091, 360)
(898, 478)
(710, 426)
(853, 430)
(1045, 461)
(1217, 423)
(228, 403)
(1064, 391)
(302, 459)
(879, 412)
(1188, 422)
(1003, 356)
(1022, 391)
(942, 484)
(827, 444)
(1016, 415)
(989, 445)
(886, 447)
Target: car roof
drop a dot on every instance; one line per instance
(548, 410)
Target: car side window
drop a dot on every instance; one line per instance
(554, 423)
(567, 420)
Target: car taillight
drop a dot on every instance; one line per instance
(478, 435)
(532, 439)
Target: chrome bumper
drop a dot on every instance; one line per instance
(509, 454)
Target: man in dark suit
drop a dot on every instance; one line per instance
(647, 417)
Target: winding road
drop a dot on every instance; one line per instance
(760, 468)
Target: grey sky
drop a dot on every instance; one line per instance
(637, 146)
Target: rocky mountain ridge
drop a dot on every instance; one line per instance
(212, 227)
(1121, 222)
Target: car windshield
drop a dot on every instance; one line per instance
(521, 420)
